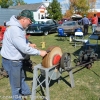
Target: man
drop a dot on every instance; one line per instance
(85, 22)
(42, 17)
(94, 23)
(14, 50)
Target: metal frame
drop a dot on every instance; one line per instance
(46, 80)
(79, 39)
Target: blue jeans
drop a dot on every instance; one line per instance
(17, 78)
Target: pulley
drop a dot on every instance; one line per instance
(65, 61)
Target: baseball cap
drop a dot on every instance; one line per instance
(27, 14)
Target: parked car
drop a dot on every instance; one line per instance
(70, 27)
(43, 26)
(2, 30)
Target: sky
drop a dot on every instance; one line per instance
(97, 4)
(37, 1)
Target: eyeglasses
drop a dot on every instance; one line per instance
(29, 20)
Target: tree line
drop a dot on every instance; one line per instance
(7, 3)
(81, 7)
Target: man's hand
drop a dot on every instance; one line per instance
(32, 45)
(43, 53)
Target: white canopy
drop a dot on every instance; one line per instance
(76, 15)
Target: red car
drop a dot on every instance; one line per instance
(2, 30)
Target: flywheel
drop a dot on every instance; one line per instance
(52, 59)
(65, 61)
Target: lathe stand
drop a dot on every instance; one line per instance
(46, 80)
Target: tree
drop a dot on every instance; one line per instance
(4, 3)
(54, 10)
(10, 2)
(7, 3)
(81, 6)
(68, 14)
(16, 2)
(92, 4)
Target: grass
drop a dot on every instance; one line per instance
(87, 82)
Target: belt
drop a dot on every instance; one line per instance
(13, 60)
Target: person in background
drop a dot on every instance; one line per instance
(4, 23)
(94, 22)
(15, 49)
(42, 17)
(85, 22)
(59, 22)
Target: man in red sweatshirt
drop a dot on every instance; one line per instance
(94, 23)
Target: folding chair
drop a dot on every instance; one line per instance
(79, 39)
(94, 43)
(61, 34)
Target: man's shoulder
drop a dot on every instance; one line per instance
(85, 18)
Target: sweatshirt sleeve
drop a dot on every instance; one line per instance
(19, 41)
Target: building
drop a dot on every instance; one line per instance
(38, 9)
(5, 14)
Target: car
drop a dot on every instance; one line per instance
(42, 26)
(70, 27)
(2, 30)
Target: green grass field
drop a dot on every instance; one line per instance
(87, 81)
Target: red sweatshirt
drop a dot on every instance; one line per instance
(95, 20)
